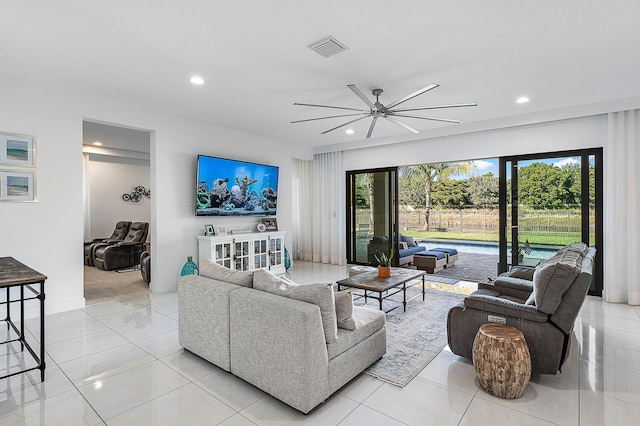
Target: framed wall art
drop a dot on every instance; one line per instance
(17, 185)
(17, 150)
(208, 230)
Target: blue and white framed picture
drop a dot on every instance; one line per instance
(17, 186)
(17, 150)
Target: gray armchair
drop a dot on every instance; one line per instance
(118, 234)
(125, 254)
(544, 308)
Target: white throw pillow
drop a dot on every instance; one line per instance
(344, 310)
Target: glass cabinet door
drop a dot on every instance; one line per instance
(276, 254)
(241, 255)
(222, 253)
(260, 253)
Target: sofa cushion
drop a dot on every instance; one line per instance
(368, 321)
(317, 294)
(523, 272)
(553, 278)
(344, 310)
(214, 271)
(409, 240)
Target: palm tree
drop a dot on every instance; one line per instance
(432, 173)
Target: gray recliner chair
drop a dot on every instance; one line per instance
(118, 234)
(543, 308)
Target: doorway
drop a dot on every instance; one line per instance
(372, 210)
(547, 201)
(116, 164)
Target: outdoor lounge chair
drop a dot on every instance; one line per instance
(430, 261)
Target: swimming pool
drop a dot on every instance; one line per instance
(485, 248)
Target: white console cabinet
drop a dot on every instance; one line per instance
(245, 252)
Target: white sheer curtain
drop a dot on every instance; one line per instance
(622, 206)
(318, 209)
(302, 187)
(328, 209)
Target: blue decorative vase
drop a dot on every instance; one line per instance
(189, 268)
(287, 259)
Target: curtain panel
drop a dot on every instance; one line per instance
(622, 206)
(318, 209)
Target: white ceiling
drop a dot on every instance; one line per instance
(253, 56)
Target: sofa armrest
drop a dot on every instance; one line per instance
(506, 307)
(278, 345)
(523, 287)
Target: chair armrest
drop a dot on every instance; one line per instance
(506, 307)
(524, 272)
(513, 283)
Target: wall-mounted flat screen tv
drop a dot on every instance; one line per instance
(235, 188)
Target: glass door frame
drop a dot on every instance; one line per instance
(507, 198)
(392, 207)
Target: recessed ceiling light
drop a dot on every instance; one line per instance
(97, 143)
(349, 131)
(196, 80)
(522, 100)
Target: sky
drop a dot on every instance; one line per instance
(490, 165)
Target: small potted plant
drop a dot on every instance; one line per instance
(384, 264)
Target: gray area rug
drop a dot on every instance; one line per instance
(414, 337)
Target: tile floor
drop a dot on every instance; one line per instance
(119, 363)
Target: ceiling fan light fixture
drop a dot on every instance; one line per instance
(522, 100)
(197, 80)
(349, 131)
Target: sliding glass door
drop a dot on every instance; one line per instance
(371, 214)
(547, 201)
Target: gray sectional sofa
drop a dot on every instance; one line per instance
(543, 303)
(299, 343)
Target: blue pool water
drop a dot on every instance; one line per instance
(542, 253)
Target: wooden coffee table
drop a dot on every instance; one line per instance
(396, 283)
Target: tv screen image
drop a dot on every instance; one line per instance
(235, 188)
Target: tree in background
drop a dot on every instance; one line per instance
(450, 193)
(429, 174)
(539, 186)
(410, 191)
(483, 190)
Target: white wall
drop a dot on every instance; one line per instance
(109, 178)
(48, 235)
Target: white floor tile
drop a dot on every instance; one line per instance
(420, 402)
(189, 365)
(106, 308)
(155, 324)
(116, 394)
(161, 345)
(611, 382)
(237, 420)
(100, 365)
(60, 331)
(68, 408)
(367, 416)
(453, 371)
(168, 308)
(270, 411)
(139, 316)
(485, 413)
(234, 392)
(188, 405)
(84, 345)
(361, 387)
(598, 410)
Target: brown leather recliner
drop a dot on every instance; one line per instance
(145, 266)
(118, 234)
(125, 254)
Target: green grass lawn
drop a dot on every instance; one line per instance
(554, 240)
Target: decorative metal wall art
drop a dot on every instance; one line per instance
(136, 195)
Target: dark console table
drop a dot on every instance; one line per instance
(16, 274)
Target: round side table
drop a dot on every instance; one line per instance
(501, 360)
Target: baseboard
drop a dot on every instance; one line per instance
(32, 310)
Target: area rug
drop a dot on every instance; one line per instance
(414, 337)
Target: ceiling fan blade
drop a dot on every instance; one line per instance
(373, 124)
(329, 116)
(428, 118)
(361, 95)
(331, 106)
(404, 126)
(470, 104)
(413, 95)
(345, 124)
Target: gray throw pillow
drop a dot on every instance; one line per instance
(214, 271)
(344, 310)
(410, 241)
(317, 294)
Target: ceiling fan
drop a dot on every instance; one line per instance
(389, 112)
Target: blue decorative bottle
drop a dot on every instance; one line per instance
(189, 268)
(287, 259)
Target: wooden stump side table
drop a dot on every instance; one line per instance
(501, 360)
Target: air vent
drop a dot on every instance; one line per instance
(328, 46)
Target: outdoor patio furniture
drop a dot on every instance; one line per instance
(430, 261)
(452, 255)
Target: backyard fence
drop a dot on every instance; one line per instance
(560, 222)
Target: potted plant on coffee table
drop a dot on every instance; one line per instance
(384, 264)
